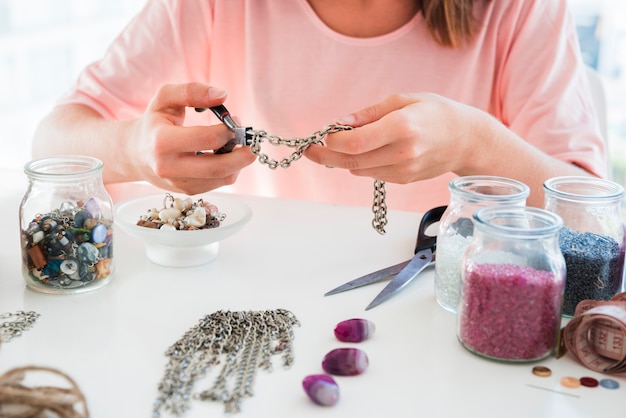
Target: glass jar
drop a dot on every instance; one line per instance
(513, 277)
(592, 240)
(66, 224)
(467, 194)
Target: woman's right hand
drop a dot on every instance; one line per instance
(155, 147)
(166, 153)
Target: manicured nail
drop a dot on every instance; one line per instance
(215, 93)
(346, 120)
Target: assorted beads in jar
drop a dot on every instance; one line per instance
(592, 239)
(66, 225)
(513, 277)
(467, 194)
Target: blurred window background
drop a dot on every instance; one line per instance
(601, 26)
(45, 43)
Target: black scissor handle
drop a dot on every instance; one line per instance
(427, 241)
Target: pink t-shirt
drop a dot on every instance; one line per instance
(288, 73)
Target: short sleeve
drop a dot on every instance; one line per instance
(167, 42)
(546, 95)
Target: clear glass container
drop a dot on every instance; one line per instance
(513, 277)
(467, 194)
(592, 240)
(66, 225)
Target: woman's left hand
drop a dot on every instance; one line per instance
(406, 138)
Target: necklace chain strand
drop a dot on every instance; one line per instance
(379, 207)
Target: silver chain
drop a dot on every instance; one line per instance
(379, 207)
(240, 343)
(12, 325)
(300, 144)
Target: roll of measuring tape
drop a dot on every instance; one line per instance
(596, 336)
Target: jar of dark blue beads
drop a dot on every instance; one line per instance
(66, 225)
(592, 239)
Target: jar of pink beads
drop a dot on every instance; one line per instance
(512, 283)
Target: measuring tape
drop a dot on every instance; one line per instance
(596, 336)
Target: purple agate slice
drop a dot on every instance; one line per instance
(354, 330)
(93, 208)
(345, 362)
(321, 389)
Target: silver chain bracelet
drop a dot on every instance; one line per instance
(254, 138)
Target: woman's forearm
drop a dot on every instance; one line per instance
(78, 129)
(499, 151)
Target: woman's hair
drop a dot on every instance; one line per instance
(451, 22)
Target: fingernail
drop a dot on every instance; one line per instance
(215, 93)
(346, 120)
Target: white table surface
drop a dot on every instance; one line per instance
(112, 340)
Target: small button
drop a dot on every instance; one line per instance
(570, 382)
(609, 384)
(542, 371)
(589, 382)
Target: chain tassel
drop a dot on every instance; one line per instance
(241, 342)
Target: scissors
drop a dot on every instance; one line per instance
(404, 272)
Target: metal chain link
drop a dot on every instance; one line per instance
(379, 207)
(240, 343)
(300, 144)
(12, 325)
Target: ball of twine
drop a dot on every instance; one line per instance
(18, 400)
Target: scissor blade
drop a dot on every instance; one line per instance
(369, 278)
(418, 263)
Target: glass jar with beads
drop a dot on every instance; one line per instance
(66, 225)
(513, 277)
(592, 239)
(467, 194)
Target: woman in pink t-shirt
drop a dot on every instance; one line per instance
(435, 89)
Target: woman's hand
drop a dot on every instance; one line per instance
(168, 152)
(155, 147)
(405, 138)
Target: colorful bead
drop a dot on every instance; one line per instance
(99, 233)
(570, 382)
(321, 389)
(542, 371)
(354, 330)
(93, 208)
(80, 217)
(589, 382)
(169, 214)
(197, 217)
(498, 319)
(182, 214)
(69, 267)
(594, 264)
(67, 247)
(609, 384)
(345, 362)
